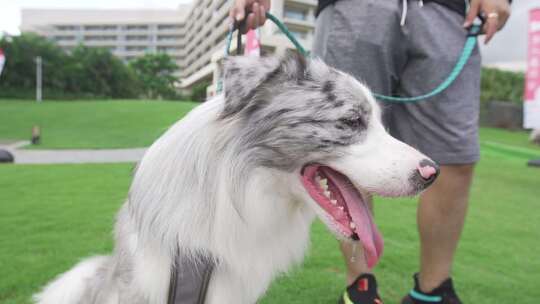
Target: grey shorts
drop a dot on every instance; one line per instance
(364, 38)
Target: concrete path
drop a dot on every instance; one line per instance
(71, 156)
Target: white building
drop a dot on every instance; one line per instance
(194, 35)
(127, 33)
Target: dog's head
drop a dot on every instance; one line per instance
(324, 128)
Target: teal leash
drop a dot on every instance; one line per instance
(468, 49)
(287, 33)
(470, 44)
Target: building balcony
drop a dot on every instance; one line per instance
(307, 3)
(306, 25)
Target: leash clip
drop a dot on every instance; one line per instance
(475, 30)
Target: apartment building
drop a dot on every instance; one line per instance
(207, 27)
(126, 33)
(194, 35)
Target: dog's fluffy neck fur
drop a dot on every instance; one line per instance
(166, 207)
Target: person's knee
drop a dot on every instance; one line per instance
(451, 189)
(457, 171)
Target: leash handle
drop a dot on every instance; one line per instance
(234, 26)
(475, 30)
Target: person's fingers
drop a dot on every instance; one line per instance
(491, 26)
(503, 17)
(262, 19)
(265, 4)
(243, 9)
(238, 11)
(473, 12)
(250, 22)
(255, 9)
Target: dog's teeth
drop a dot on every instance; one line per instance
(341, 208)
(327, 194)
(334, 202)
(323, 183)
(352, 225)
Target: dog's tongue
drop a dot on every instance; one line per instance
(369, 235)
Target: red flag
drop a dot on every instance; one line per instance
(532, 84)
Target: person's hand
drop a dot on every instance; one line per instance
(252, 11)
(495, 12)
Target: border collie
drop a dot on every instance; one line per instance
(241, 178)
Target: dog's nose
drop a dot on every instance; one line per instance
(428, 170)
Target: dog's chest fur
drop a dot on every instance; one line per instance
(277, 237)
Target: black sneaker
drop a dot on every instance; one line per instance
(362, 291)
(443, 294)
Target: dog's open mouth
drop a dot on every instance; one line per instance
(346, 208)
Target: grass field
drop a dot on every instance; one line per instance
(90, 124)
(53, 215)
(133, 123)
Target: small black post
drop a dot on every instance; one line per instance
(36, 135)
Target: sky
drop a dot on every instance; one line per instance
(508, 46)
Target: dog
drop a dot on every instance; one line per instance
(241, 178)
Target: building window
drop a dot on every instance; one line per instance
(294, 13)
(136, 48)
(299, 34)
(169, 26)
(99, 38)
(64, 38)
(100, 27)
(137, 38)
(67, 27)
(168, 48)
(137, 27)
(169, 37)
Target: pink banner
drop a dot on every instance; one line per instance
(533, 64)
(253, 47)
(2, 60)
(532, 82)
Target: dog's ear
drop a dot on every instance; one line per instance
(245, 75)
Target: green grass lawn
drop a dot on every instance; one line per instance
(131, 123)
(90, 124)
(51, 216)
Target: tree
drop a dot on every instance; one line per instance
(97, 72)
(155, 73)
(20, 69)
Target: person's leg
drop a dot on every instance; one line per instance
(441, 215)
(445, 128)
(362, 38)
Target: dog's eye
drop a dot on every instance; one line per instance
(354, 122)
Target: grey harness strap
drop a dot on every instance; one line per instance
(190, 279)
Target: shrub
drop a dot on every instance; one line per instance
(502, 86)
(155, 74)
(198, 92)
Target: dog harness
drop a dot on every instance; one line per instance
(190, 278)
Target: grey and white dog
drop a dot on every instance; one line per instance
(240, 180)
